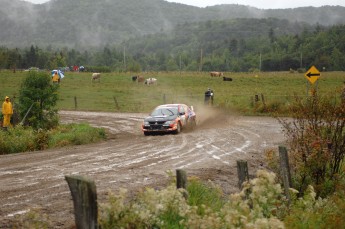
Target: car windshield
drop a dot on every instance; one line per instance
(166, 111)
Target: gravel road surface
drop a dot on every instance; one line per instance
(128, 159)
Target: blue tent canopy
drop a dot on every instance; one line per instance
(59, 72)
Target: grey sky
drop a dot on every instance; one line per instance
(262, 4)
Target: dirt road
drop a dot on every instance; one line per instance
(130, 160)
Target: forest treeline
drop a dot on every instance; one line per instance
(88, 23)
(237, 45)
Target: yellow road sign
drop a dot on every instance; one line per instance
(312, 74)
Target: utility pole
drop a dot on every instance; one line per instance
(180, 64)
(200, 67)
(260, 62)
(124, 59)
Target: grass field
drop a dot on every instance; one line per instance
(117, 93)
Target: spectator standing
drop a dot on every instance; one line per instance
(56, 78)
(209, 97)
(7, 111)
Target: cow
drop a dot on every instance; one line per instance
(227, 78)
(150, 81)
(134, 78)
(216, 74)
(138, 79)
(96, 76)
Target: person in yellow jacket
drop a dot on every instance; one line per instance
(56, 78)
(7, 111)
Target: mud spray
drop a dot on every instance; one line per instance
(212, 117)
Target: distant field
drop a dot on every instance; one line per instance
(117, 93)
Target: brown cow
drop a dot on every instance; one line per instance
(216, 74)
(140, 79)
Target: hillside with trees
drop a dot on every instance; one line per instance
(237, 45)
(86, 23)
(156, 35)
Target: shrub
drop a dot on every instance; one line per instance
(98, 69)
(316, 136)
(310, 212)
(75, 134)
(152, 209)
(201, 194)
(255, 207)
(17, 140)
(22, 139)
(37, 100)
(33, 219)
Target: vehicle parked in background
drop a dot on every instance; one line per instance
(32, 69)
(169, 118)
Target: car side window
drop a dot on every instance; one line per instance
(182, 111)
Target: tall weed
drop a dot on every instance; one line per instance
(255, 207)
(75, 134)
(18, 139)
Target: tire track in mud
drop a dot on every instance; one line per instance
(129, 160)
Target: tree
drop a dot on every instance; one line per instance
(271, 36)
(171, 65)
(13, 59)
(31, 56)
(38, 93)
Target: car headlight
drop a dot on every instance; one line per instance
(146, 123)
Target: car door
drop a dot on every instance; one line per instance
(183, 115)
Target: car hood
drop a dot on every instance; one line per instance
(160, 118)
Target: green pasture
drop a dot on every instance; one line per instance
(117, 93)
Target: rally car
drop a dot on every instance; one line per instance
(169, 118)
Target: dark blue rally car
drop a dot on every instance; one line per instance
(169, 118)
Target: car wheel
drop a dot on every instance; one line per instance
(178, 128)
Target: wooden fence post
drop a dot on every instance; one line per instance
(242, 172)
(75, 103)
(285, 170)
(257, 98)
(116, 103)
(263, 100)
(84, 197)
(164, 99)
(181, 181)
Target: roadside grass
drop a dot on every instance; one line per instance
(117, 93)
(20, 139)
(75, 134)
(204, 194)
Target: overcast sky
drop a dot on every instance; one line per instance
(262, 4)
